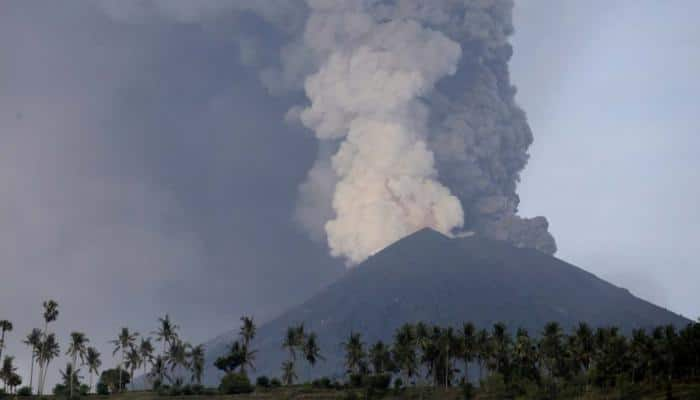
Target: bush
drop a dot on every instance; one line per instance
(163, 390)
(263, 381)
(102, 389)
(84, 390)
(379, 382)
(234, 383)
(197, 389)
(175, 390)
(398, 384)
(356, 380)
(24, 391)
(187, 390)
(275, 383)
(323, 383)
(60, 390)
(3, 393)
(467, 391)
(351, 395)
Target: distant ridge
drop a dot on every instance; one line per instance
(430, 277)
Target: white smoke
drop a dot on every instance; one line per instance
(369, 69)
(367, 94)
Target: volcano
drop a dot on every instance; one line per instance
(432, 278)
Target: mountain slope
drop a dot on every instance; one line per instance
(429, 277)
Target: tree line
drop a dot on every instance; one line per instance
(550, 361)
(135, 352)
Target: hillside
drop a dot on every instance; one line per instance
(432, 278)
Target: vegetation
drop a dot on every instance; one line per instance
(421, 361)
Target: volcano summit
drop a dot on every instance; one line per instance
(431, 278)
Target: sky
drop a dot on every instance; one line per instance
(146, 170)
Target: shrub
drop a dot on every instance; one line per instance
(84, 390)
(323, 383)
(356, 380)
(60, 390)
(275, 383)
(467, 391)
(398, 383)
(263, 381)
(351, 395)
(197, 389)
(235, 383)
(102, 389)
(379, 382)
(175, 390)
(3, 393)
(24, 391)
(187, 390)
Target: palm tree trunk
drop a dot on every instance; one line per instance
(2, 343)
(31, 373)
(72, 376)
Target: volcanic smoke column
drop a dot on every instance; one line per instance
(365, 95)
(413, 104)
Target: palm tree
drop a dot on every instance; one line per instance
(290, 342)
(524, 355)
(483, 350)
(76, 349)
(244, 356)
(158, 369)
(248, 330)
(8, 370)
(70, 375)
(166, 333)
(354, 353)
(404, 351)
(177, 356)
(293, 341)
(123, 343)
(50, 315)
(501, 350)
(14, 381)
(468, 348)
(311, 350)
(146, 353)
(583, 346)
(197, 362)
(379, 357)
(93, 362)
(288, 374)
(49, 349)
(5, 326)
(33, 340)
(133, 362)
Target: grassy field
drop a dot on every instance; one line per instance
(680, 392)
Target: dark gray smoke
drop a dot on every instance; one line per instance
(413, 107)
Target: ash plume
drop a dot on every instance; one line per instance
(414, 111)
(476, 136)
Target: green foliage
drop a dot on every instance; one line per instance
(235, 383)
(110, 378)
(275, 383)
(60, 390)
(468, 391)
(24, 391)
(102, 389)
(323, 383)
(3, 393)
(262, 381)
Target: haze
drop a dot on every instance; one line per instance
(146, 170)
